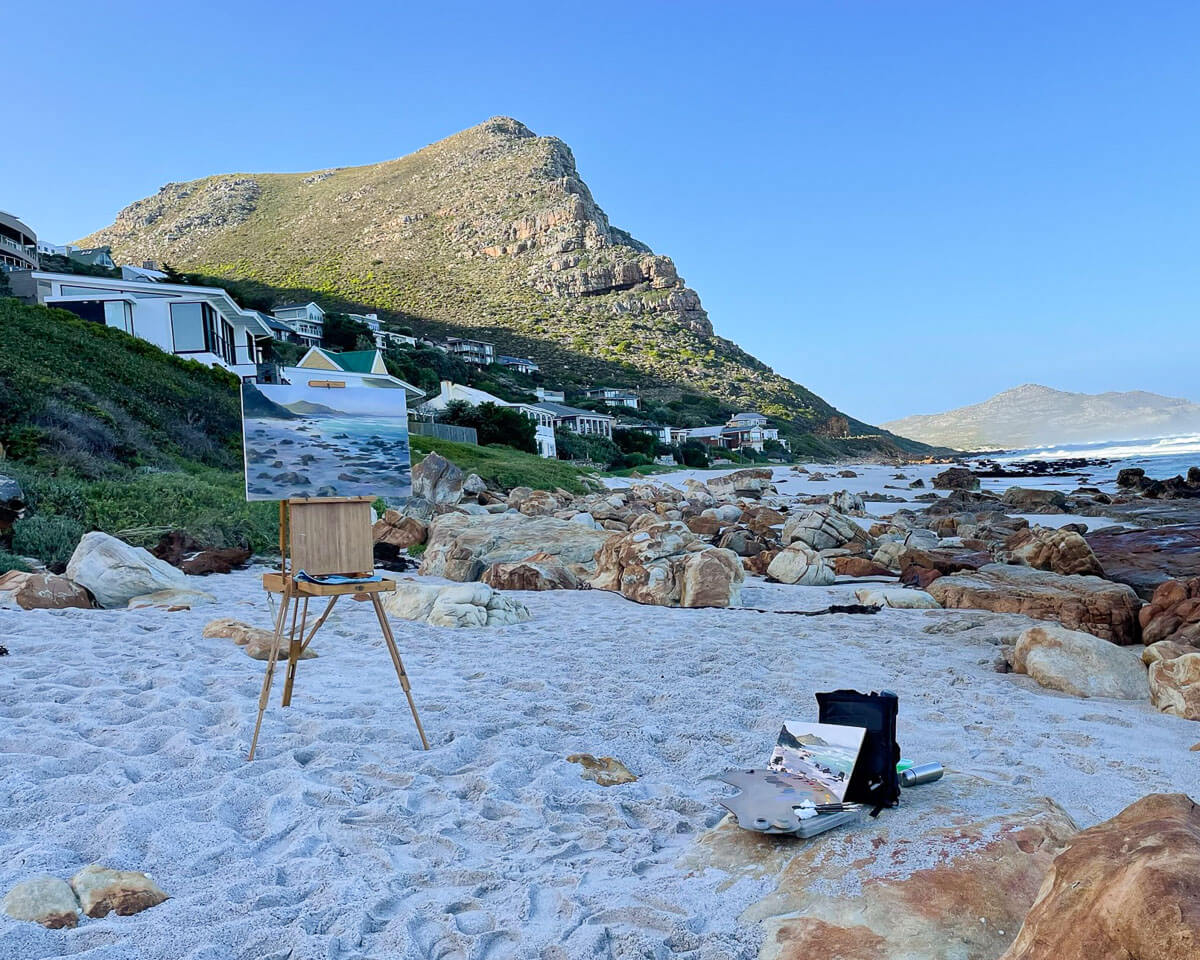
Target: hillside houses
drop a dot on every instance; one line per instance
(206, 324)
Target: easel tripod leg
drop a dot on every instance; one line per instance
(294, 654)
(263, 697)
(398, 664)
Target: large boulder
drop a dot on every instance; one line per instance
(115, 572)
(437, 480)
(654, 564)
(956, 478)
(1145, 558)
(752, 483)
(42, 591)
(1175, 685)
(848, 503)
(826, 529)
(1027, 500)
(1125, 889)
(896, 597)
(45, 900)
(951, 886)
(1107, 610)
(461, 547)
(102, 891)
(1062, 551)
(801, 565)
(711, 578)
(1173, 613)
(539, 572)
(453, 605)
(1080, 664)
(395, 532)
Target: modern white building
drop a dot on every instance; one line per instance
(554, 396)
(199, 323)
(587, 422)
(307, 319)
(19, 245)
(479, 352)
(614, 397)
(658, 431)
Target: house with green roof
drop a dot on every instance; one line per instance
(353, 368)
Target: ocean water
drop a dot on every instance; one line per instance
(1160, 457)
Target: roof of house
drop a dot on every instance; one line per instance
(562, 410)
(355, 361)
(93, 255)
(297, 306)
(705, 431)
(449, 392)
(748, 415)
(623, 391)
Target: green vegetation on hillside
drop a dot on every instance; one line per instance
(505, 466)
(107, 432)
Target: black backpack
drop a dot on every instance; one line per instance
(874, 781)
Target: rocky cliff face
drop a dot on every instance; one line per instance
(490, 231)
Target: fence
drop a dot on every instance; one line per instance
(444, 431)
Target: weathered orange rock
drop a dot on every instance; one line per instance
(1173, 613)
(540, 572)
(944, 892)
(859, 567)
(397, 530)
(1125, 889)
(1062, 551)
(1108, 610)
(43, 591)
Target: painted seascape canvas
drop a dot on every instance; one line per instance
(820, 754)
(306, 441)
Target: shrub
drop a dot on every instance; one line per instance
(10, 561)
(49, 538)
(578, 446)
(494, 424)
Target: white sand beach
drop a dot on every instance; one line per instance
(124, 736)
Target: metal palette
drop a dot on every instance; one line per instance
(768, 800)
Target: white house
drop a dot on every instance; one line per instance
(479, 352)
(658, 431)
(587, 422)
(355, 368)
(307, 319)
(614, 397)
(200, 323)
(554, 396)
(370, 319)
(449, 391)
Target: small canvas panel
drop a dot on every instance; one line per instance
(823, 754)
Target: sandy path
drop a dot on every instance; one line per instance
(123, 736)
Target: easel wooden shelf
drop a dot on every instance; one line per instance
(322, 537)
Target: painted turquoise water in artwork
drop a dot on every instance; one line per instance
(303, 441)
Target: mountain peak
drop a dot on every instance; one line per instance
(1034, 415)
(489, 232)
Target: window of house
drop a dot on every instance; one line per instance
(187, 327)
(119, 314)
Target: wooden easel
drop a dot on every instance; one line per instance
(323, 536)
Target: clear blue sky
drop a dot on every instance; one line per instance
(904, 205)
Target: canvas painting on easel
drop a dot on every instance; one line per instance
(303, 440)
